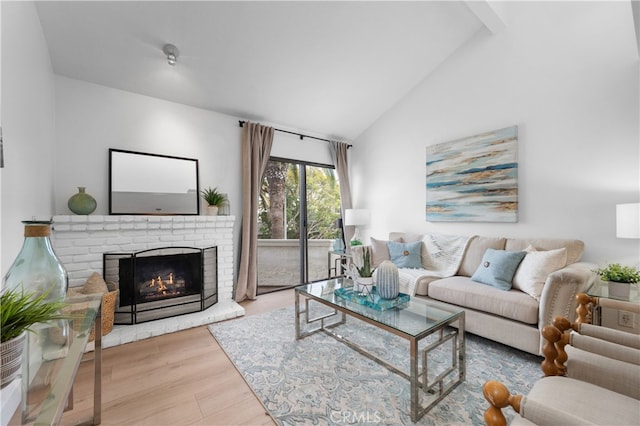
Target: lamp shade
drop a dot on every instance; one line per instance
(356, 217)
(628, 220)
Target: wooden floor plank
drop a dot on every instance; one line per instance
(182, 378)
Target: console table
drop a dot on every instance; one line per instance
(50, 394)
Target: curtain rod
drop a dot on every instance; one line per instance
(241, 123)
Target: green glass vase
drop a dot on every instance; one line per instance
(82, 203)
(38, 270)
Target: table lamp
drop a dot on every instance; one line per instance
(356, 217)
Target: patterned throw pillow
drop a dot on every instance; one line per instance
(498, 268)
(536, 267)
(406, 255)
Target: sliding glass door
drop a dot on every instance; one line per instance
(299, 209)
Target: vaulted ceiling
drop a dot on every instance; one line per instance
(329, 68)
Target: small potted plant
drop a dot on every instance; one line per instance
(619, 279)
(365, 272)
(20, 311)
(214, 200)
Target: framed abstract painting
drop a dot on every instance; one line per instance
(474, 179)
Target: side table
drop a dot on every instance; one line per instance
(337, 263)
(622, 314)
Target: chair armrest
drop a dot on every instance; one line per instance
(498, 397)
(560, 289)
(541, 414)
(608, 342)
(555, 338)
(617, 376)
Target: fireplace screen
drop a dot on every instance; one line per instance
(161, 283)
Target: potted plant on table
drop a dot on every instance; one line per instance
(365, 272)
(214, 200)
(619, 278)
(19, 311)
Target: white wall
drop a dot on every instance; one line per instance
(93, 118)
(0, 143)
(567, 74)
(57, 132)
(28, 126)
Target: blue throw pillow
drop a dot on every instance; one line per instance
(498, 268)
(406, 255)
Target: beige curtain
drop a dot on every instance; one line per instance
(256, 147)
(341, 162)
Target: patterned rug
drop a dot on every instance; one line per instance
(320, 381)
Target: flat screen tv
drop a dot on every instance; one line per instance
(152, 184)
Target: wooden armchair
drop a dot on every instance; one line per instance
(592, 376)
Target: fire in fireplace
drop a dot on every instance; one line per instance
(160, 283)
(159, 288)
(159, 277)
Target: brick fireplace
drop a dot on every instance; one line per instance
(81, 241)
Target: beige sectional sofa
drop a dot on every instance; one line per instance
(514, 317)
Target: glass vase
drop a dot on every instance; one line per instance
(82, 203)
(38, 270)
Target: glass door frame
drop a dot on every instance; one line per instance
(303, 218)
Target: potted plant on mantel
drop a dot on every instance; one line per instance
(619, 278)
(214, 200)
(20, 311)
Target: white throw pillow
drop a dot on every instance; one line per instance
(536, 267)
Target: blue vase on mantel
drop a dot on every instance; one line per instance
(82, 203)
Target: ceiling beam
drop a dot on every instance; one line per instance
(489, 13)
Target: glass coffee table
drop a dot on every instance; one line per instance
(414, 321)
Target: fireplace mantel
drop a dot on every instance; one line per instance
(80, 241)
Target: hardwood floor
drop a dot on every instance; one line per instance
(181, 378)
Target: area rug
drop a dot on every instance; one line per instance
(320, 381)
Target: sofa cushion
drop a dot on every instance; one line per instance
(422, 284)
(536, 267)
(415, 281)
(475, 250)
(406, 255)
(575, 248)
(379, 251)
(498, 267)
(464, 292)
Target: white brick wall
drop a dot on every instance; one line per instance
(79, 242)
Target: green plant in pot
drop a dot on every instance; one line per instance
(620, 279)
(19, 312)
(214, 200)
(365, 272)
